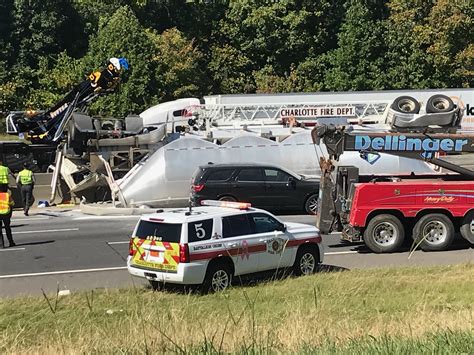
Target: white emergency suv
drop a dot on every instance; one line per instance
(209, 245)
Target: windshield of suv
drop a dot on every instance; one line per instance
(162, 232)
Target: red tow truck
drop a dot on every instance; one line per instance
(383, 210)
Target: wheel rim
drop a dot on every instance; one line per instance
(435, 232)
(406, 105)
(313, 205)
(472, 226)
(385, 234)
(441, 104)
(307, 264)
(220, 281)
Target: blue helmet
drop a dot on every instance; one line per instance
(123, 63)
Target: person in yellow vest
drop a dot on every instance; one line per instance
(26, 181)
(4, 172)
(6, 204)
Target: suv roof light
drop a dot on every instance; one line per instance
(230, 204)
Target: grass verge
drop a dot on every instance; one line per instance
(365, 311)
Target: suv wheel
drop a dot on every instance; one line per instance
(227, 198)
(307, 260)
(311, 205)
(218, 278)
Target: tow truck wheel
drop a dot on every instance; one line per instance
(384, 234)
(435, 231)
(306, 260)
(218, 278)
(467, 227)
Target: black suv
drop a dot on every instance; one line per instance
(264, 186)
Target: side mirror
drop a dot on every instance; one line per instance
(281, 227)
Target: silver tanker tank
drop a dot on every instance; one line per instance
(163, 180)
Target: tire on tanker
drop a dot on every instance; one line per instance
(467, 227)
(439, 104)
(435, 231)
(406, 104)
(384, 234)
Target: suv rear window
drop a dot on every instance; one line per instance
(220, 175)
(250, 175)
(197, 176)
(163, 232)
(201, 230)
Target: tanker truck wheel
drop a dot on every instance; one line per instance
(439, 104)
(435, 231)
(467, 227)
(384, 234)
(406, 104)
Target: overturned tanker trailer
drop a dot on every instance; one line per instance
(245, 128)
(163, 179)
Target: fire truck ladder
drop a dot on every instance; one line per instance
(267, 114)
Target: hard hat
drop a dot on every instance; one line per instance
(115, 62)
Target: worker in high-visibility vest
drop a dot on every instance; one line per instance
(26, 181)
(6, 204)
(4, 172)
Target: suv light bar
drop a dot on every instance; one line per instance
(230, 204)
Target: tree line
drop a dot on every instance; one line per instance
(179, 48)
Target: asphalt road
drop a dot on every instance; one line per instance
(67, 250)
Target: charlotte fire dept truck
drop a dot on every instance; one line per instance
(382, 210)
(211, 244)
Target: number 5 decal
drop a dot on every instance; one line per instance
(200, 232)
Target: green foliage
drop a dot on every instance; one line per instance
(177, 66)
(230, 70)
(358, 61)
(448, 36)
(40, 29)
(407, 64)
(182, 48)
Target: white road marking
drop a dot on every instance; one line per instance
(111, 243)
(12, 249)
(48, 231)
(341, 252)
(63, 272)
(104, 218)
(28, 219)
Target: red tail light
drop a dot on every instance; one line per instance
(131, 249)
(183, 253)
(197, 188)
